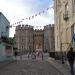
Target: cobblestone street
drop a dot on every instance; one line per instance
(29, 67)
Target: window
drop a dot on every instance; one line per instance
(57, 41)
(67, 35)
(72, 31)
(66, 7)
(22, 46)
(66, 12)
(7, 28)
(73, 5)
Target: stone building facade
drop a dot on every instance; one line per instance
(24, 38)
(27, 38)
(49, 39)
(64, 12)
(46, 38)
(38, 40)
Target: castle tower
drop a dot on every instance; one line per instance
(24, 37)
(49, 41)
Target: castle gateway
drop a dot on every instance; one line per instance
(28, 39)
(38, 40)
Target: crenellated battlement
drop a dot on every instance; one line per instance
(48, 26)
(24, 26)
(38, 29)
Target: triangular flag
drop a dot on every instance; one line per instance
(15, 23)
(43, 11)
(22, 19)
(35, 14)
(32, 16)
(26, 18)
(39, 13)
(29, 18)
(19, 22)
(47, 8)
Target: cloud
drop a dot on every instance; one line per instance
(38, 21)
(15, 10)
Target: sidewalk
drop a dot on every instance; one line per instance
(5, 63)
(63, 68)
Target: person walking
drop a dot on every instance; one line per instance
(62, 59)
(70, 57)
(33, 55)
(42, 55)
(15, 54)
(28, 55)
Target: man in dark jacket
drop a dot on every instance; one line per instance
(70, 57)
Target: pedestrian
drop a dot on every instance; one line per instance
(28, 55)
(70, 57)
(15, 53)
(42, 55)
(38, 53)
(33, 55)
(62, 59)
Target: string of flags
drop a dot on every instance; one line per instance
(29, 18)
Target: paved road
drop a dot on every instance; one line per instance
(25, 57)
(29, 67)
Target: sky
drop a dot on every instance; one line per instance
(16, 10)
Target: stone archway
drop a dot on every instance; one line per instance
(38, 41)
(38, 47)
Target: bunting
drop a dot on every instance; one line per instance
(29, 18)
